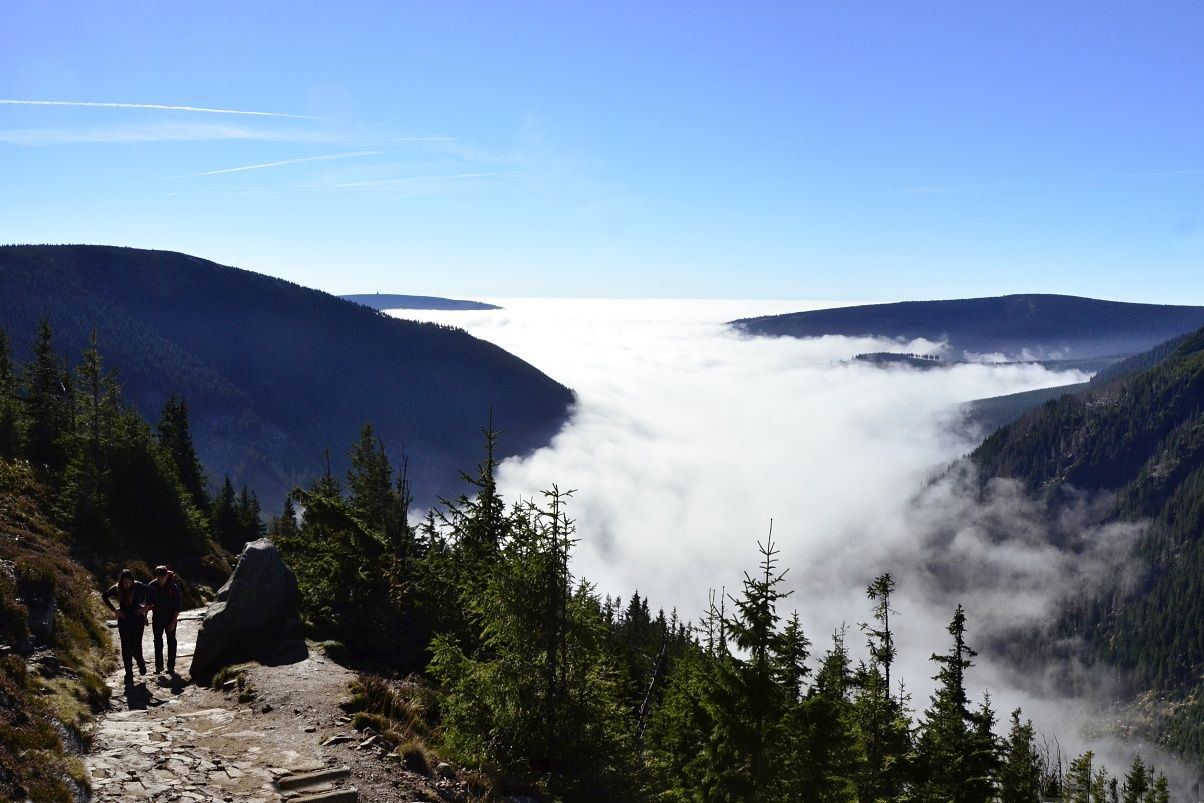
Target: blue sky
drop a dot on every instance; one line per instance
(799, 150)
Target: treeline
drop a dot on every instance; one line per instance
(523, 673)
(122, 490)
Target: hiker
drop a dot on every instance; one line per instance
(165, 607)
(131, 609)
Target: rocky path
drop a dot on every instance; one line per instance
(266, 739)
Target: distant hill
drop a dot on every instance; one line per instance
(887, 358)
(1034, 326)
(988, 415)
(1137, 438)
(275, 373)
(383, 301)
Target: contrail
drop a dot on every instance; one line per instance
(154, 107)
(282, 163)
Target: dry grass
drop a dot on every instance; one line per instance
(34, 762)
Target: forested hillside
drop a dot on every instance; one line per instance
(1042, 326)
(275, 373)
(1139, 436)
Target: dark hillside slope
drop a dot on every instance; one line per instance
(274, 373)
(988, 415)
(1043, 325)
(1140, 436)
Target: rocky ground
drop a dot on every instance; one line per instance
(276, 735)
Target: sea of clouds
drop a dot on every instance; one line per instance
(688, 438)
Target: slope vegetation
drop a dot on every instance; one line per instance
(1139, 437)
(275, 373)
(1038, 325)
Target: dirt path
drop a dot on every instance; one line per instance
(164, 739)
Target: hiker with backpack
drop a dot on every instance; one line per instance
(165, 603)
(133, 601)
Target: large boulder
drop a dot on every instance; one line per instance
(249, 611)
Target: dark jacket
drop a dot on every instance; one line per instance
(166, 599)
(139, 598)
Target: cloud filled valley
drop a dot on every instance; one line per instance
(688, 439)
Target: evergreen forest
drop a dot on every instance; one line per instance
(479, 644)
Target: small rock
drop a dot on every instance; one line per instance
(371, 740)
(445, 770)
(310, 729)
(337, 739)
(267, 707)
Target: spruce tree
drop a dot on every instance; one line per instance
(48, 394)
(175, 436)
(885, 726)
(227, 529)
(10, 410)
(1159, 791)
(249, 516)
(88, 478)
(831, 753)
(753, 723)
(1085, 783)
(1137, 782)
(1020, 773)
(370, 482)
(952, 748)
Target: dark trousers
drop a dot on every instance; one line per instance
(161, 625)
(130, 629)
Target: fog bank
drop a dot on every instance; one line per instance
(688, 438)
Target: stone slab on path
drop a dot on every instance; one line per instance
(164, 739)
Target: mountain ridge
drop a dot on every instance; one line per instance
(242, 348)
(387, 301)
(1039, 324)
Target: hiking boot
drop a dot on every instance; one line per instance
(158, 669)
(142, 667)
(129, 679)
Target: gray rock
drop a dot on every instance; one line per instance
(249, 611)
(38, 598)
